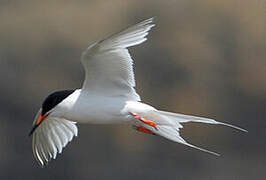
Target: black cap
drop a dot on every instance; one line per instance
(50, 102)
(53, 99)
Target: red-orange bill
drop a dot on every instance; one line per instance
(38, 122)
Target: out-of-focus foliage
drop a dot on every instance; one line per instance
(204, 57)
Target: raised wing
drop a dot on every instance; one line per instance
(108, 64)
(51, 136)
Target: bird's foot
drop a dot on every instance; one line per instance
(150, 123)
(143, 130)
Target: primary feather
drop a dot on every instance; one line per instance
(51, 136)
(108, 64)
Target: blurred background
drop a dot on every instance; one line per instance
(204, 57)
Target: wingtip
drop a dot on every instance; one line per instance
(149, 21)
(152, 18)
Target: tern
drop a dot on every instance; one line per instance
(107, 96)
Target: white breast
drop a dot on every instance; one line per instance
(85, 107)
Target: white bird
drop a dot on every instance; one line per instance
(107, 96)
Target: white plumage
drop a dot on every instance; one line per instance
(107, 96)
(108, 64)
(51, 136)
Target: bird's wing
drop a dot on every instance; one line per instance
(51, 136)
(108, 64)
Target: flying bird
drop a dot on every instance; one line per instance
(107, 96)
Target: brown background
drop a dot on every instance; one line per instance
(204, 57)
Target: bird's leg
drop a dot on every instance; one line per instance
(143, 130)
(150, 123)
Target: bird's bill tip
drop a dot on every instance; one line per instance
(38, 122)
(33, 129)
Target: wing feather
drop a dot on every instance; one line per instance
(42, 151)
(60, 135)
(55, 139)
(71, 127)
(49, 140)
(51, 136)
(108, 64)
(46, 143)
(43, 147)
(61, 127)
(66, 131)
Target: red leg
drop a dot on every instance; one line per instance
(144, 130)
(150, 123)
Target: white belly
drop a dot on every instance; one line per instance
(88, 108)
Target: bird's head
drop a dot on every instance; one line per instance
(48, 106)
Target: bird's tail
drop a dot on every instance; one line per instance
(168, 125)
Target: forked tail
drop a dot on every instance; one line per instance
(182, 118)
(167, 124)
(172, 132)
